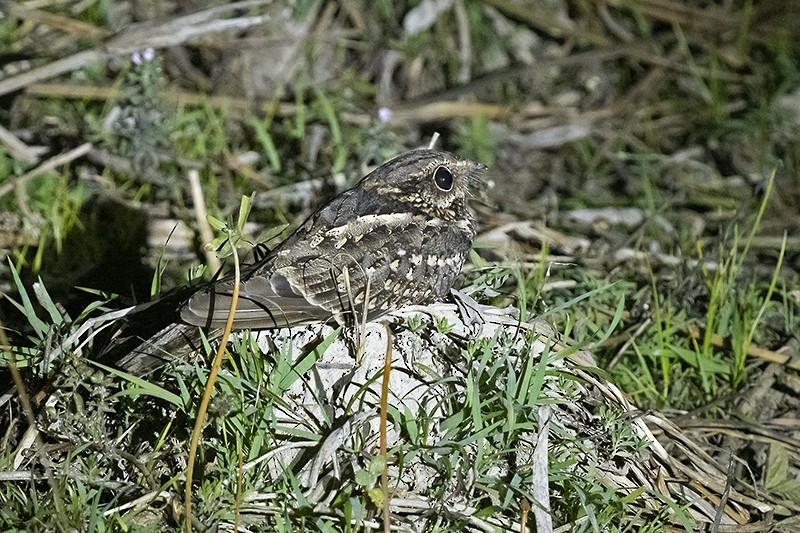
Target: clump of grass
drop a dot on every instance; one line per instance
(486, 395)
(665, 364)
(733, 310)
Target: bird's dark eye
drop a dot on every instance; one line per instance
(443, 178)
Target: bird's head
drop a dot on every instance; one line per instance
(435, 183)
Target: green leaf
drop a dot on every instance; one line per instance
(142, 386)
(376, 465)
(44, 299)
(454, 421)
(364, 478)
(27, 306)
(777, 466)
(244, 211)
(329, 113)
(216, 223)
(305, 363)
(614, 322)
(270, 233)
(299, 129)
(789, 489)
(376, 495)
(411, 424)
(267, 143)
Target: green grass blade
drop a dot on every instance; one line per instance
(304, 364)
(142, 386)
(26, 307)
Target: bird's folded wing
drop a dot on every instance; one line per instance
(264, 302)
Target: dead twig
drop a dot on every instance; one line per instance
(174, 32)
(201, 217)
(76, 28)
(18, 149)
(762, 353)
(181, 98)
(47, 166)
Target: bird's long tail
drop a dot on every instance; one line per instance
(143, 338)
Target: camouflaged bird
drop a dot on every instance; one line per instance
(398, 237)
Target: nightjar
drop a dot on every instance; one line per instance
(399, 237)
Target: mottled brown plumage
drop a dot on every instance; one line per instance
(399, 237)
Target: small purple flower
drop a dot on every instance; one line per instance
(385, 114)
(145, 56)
